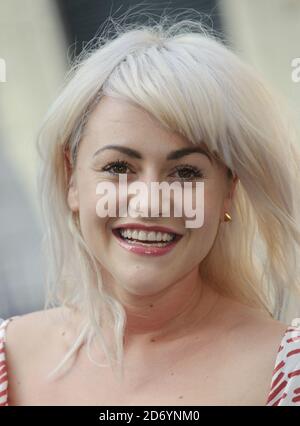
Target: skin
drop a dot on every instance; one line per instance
(184, 343)
(160, 294)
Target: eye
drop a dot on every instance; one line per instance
(116, 167)
(188, 172)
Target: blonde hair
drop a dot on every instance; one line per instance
(186, 76)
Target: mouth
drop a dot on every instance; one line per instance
(144, 245)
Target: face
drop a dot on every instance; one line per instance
(118, 123)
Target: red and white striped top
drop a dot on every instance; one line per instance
(285, 384)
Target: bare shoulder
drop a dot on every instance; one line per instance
(35, 326)
(256, 329)
(256, 339)
(32, 340)
(263, 337)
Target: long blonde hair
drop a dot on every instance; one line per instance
(186, 76)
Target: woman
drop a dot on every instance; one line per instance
(133, 317)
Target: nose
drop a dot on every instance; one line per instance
(151, 199)
(145, 202)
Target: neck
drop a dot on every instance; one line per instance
(170, 314)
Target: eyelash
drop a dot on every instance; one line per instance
(114, 163)
(197, 172)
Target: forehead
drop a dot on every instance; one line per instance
(115, 121)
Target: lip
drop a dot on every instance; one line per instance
(155, 228)
(144, 250)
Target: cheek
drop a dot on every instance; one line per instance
(213, 199)
(211, 213)
(207, 232)
(93, 227)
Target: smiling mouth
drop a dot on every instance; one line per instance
(134, 241)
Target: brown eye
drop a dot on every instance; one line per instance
(188, 172)
(116, 167)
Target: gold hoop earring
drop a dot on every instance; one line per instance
(228, 218)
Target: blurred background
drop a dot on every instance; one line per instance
(38, 39)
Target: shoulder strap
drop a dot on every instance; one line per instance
(285, 388)
(3, 365)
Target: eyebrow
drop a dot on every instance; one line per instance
(173, 155)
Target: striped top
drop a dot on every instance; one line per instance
(284, 387)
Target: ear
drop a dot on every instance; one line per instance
(230, 194)
(72, 191)
(233, 185)
(72, 196)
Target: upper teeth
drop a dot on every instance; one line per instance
(146, 236)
